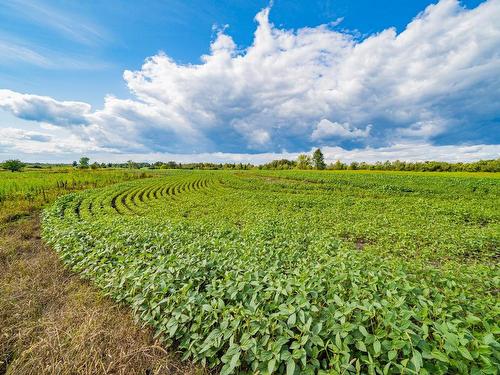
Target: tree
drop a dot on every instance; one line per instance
(75, 164)
(94, 165)
(13, 165)
(132, 165)
(276, 164)
(338, 165)
(318, 159)
(303, 161)
(84, 162)
(172, 165)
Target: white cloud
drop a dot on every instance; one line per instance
(423, 129)
(11, 134)
(287, 81)
(72, 148)
(438, 77)
(327, 130)
(44, 108)
(403, 151)
(414, 152)
(42, 145)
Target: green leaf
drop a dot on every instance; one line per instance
(317, 328)
(285, 355)
(295, 345)
(472, 319)
(361, 346)
(173, 329)
(226, 369)
(440, 356)
(291, 320)
(235, 360)
(376, 347)
(316, 340)
(302, 316)
(290, 366)
(489, 339)
(338, 341)
(465, 353)
(298, 353)
(270, 365)
(417, 360)
(363, 331)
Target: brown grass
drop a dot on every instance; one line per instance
(52, 322)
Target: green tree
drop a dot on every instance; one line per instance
(354, 166)
(304, 161)
(94, 165)
(338, 166)
(84, 162)
(318, 159)
(13, 165)
(75, 164)
(132, 164)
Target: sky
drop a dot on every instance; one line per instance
(249, 81)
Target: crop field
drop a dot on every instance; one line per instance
(299, 272)
(34, 183)
(51, 321)
(24, 193)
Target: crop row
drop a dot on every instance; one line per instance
(298, 272)
(126, 199)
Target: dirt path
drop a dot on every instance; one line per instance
(52, 322)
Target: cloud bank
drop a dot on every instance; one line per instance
(437, 83)
(44, 109)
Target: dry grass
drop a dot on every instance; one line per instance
(52, 322)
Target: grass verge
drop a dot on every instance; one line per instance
(52, 322)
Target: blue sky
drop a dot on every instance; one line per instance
(249, 80)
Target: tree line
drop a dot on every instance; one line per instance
(316, 161)
(303, 162)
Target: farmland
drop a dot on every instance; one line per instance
(23, 192)
(298, 271)
(51, 321)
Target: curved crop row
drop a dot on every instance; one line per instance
(299, 272)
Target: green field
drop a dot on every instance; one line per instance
(23, 193)
(37, 182)
(299, 272)
(51, 321)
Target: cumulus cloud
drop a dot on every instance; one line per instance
(414, 152)
(436, 81)
(327, 130)
(11, 134)
(14, 141)
(44, 108)
(440, 70)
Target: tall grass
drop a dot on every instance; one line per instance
(24, 192)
